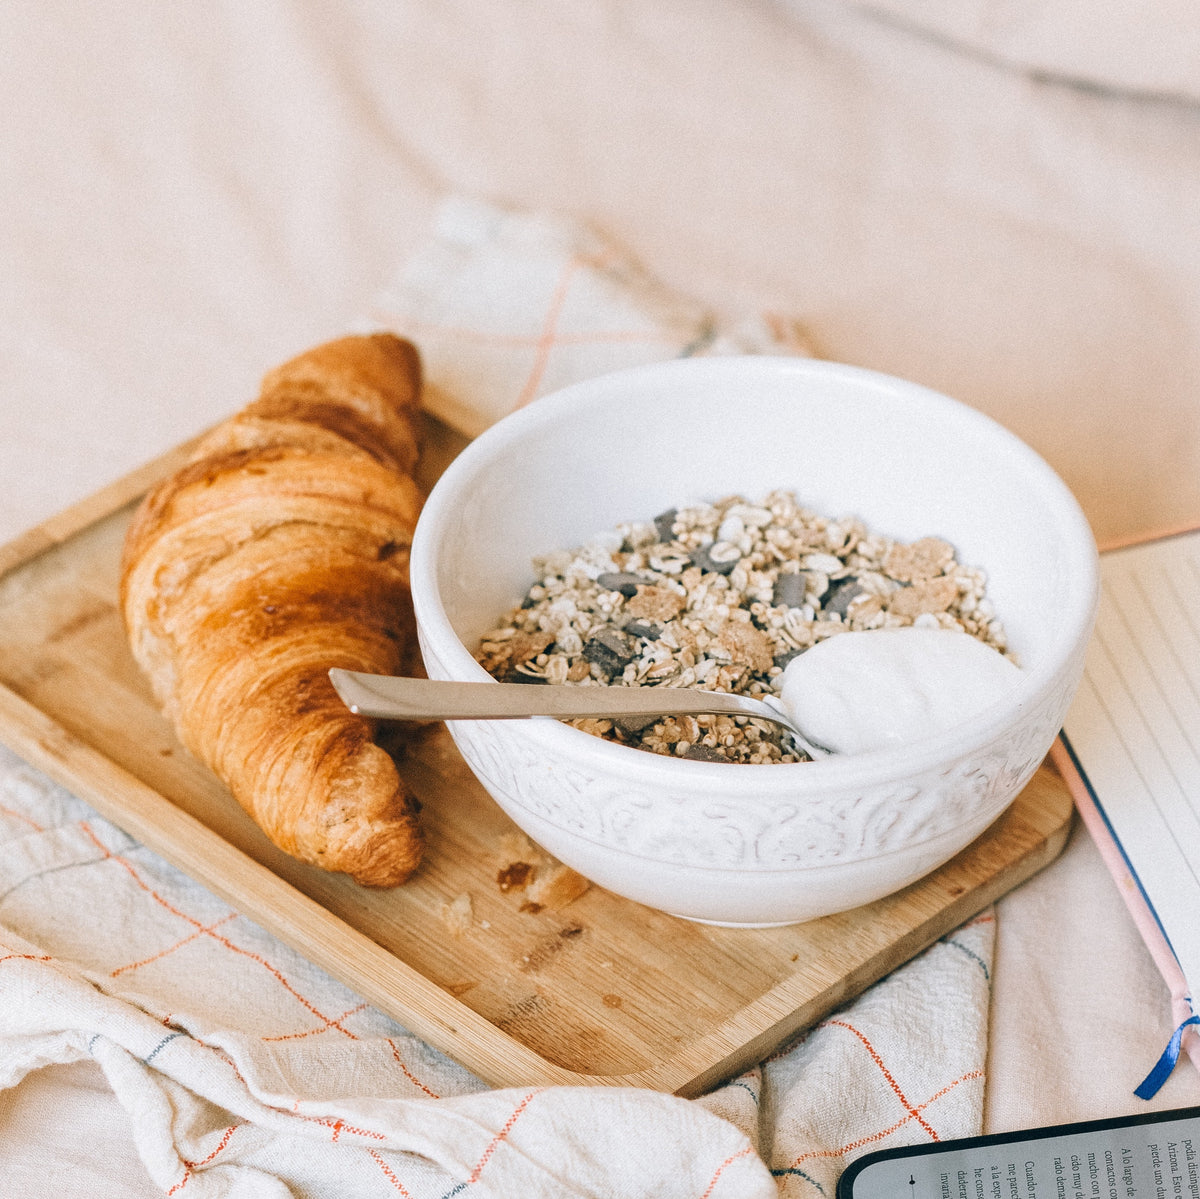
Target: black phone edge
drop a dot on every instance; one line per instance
(845, 1182)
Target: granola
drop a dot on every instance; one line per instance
(721, 597)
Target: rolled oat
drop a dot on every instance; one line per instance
(721, 597)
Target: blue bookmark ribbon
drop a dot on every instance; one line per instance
(1165, 1064)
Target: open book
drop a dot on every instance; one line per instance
(1130, 752)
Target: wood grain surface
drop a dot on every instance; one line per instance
(604, 991)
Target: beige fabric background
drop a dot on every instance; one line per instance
(188, 195)
(1149, 49)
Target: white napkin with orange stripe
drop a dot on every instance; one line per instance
(506, 306)
(249, 1072)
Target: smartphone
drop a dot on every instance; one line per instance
(1150, 1156)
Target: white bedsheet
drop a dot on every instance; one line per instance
(187, 198)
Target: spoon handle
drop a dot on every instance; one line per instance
(392, 698)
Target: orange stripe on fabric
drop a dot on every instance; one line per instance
(340, 1126)
(886, 1132)
(21, 816)
(548, 336)
(545, 340)
(191, 1167)
(986, 918)
(388, 1173)
(723, 1167)
(224, 1141)
(223, 1056)
(312, 1032)
(407, 1072)
(519, 341)
(171, 949)
(887, 1074)
(254, 957)
(500, 1136)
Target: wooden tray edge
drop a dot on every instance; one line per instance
(382, 978)
(1028, 863)
(271, 902)
(65, 524)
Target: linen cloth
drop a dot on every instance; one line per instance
(506, 306)
(246, 1071)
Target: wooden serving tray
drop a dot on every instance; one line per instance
(605, 991)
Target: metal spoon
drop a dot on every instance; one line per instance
(389, 697)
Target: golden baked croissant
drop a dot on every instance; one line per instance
(279, 551)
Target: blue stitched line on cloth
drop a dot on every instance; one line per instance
(165, 1041)
(972, 955)
(798, 1174)
(747, 1088)
(49, 870)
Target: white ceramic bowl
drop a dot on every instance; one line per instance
(756, 845)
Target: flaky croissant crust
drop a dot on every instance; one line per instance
(279, 551)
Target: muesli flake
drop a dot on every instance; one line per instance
(721, 597)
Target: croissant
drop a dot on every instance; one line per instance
(280, 550)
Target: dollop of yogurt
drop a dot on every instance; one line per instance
(863, 690)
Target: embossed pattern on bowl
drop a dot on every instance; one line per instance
(758, 844)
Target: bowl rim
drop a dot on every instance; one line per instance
(874, 767)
